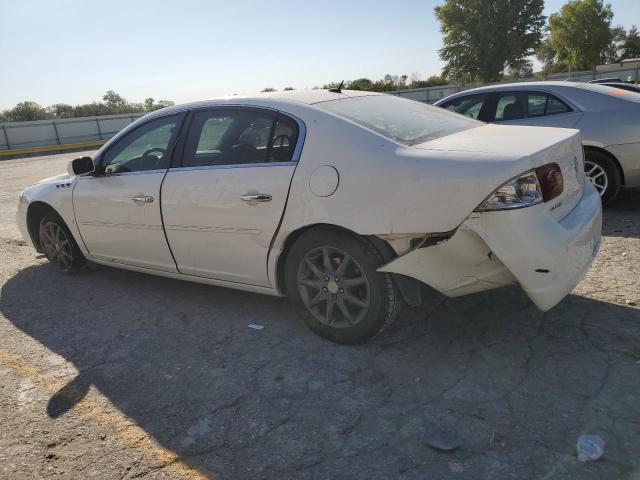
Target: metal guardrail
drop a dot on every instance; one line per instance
(21, 138)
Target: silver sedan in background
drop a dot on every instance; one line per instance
(608, 119)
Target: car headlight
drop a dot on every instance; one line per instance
(530, 188)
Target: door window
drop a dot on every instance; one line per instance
(555, 106)
(468, 106)
(232, 137)
(536, 104)
(509, 107)
(145, 148)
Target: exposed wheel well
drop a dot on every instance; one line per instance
(291, 239)
(409, 287)
(35, 213)
(591, 148)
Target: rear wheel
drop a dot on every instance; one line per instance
(603, 173)
(58, 244)
(331, 278)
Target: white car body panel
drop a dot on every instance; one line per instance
(380, 188)
(114, 228)
(212, 232)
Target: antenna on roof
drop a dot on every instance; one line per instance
(339, 89)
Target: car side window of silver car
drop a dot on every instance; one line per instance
(145, 148)
(469, 106)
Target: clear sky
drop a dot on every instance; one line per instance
(72, 51)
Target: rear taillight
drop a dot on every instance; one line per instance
(530, 188)
(550, 180)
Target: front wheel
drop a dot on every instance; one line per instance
(603, 173)
(58, 244)
(331, 278)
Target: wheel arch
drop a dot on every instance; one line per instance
(35, 213)
(409, 287)
(594, 148)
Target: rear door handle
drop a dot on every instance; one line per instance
(256, 197)
(142, 199)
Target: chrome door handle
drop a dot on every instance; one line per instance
(256, 197)
(142, 199)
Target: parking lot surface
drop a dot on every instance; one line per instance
(112, 374)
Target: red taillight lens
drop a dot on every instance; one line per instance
(550, 179)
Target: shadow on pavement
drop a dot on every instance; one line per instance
(515, 386)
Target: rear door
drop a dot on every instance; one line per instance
(223, 202)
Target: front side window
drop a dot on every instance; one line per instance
(145, 148)
(405, 121)
(238, 136)
(468, 106)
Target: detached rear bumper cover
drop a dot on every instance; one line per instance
(546, 256)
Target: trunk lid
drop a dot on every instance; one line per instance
(517, 149)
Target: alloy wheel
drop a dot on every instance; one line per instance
(334, 287)
(597, 176)
(56, 245)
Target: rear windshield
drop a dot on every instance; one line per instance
(612, 91)
(405, 121)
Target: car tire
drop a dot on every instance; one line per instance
(331, 278)
(58, 245)
(603, 173)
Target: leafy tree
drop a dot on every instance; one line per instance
(613, 52)
(520, 69)
(24, 112)
(432, 81)
(288, 89)
(61, 110)
(268, 89)
(151, 105)
(580, 33)
(631, 45)
(114, 101)
(482, 37)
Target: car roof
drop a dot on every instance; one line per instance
(557, 87)
(274, 99)
(522, 86)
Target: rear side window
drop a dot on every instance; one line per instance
(405, 121)
(468, 106)
(518, 105)
(238, 136)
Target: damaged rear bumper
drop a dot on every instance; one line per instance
(545, 256)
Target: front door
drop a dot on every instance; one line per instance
(118, 208)
(222, 205)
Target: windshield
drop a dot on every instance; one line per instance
(405, 121)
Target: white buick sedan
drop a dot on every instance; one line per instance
(346, 202)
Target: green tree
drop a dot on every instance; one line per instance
(613, 52)
(115, 103)
(580, 33)
(631, 45)
(482, 37)
(268, 89)
(288, 89)
(25, 112)
(61, 110)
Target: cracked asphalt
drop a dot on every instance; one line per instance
(112, 374)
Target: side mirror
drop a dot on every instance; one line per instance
(81, 166)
